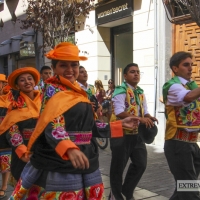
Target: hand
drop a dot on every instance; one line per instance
(130, 122)
(154, 119)
(78, 159)
(25, 158)
(147, 121)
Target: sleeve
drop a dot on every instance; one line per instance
(176, 94)
(58, 138)
(105, 130)
(16, 141)
(145, 106)
(119, 103)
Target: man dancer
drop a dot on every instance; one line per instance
(45, 73)
(82, 80)
(128, 100)
(182, 106)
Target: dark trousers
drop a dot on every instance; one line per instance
(184, 162)
(122, 149)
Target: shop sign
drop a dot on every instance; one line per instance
(27, 49)
(113, 11)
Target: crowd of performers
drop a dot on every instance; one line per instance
(47, 130)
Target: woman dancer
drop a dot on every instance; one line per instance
(64, 156)
(22, 115)
(5, 149)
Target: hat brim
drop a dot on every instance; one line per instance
(30, 70)
(79, 58)
(3, 80)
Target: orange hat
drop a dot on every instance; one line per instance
(15, 74)
(3, 77)
(65, 51)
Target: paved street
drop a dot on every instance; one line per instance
(156, 184)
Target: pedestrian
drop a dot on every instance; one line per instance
(64, 155)
(181, 96)
(45, 73)
(106, 105)
(128, 100)
(5, 149)
(82, 81)
(22, 115)
(100, 92)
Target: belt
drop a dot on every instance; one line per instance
(183, 135)
(80, 138)
(27, 132)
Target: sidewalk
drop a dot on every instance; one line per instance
(156, 184)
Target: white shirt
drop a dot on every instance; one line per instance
(119, 103)
(83, 87)
(176, 94)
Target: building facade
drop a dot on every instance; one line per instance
(116, 33)
(18, 47)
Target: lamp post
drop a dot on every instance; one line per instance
(182, 11)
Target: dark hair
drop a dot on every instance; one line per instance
(54, 63)
(80, 67)
(128, 66)
(176, 59)
(44, 68)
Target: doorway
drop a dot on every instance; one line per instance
(122, 50)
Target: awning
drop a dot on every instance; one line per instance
(28, 33)
(6, 42)
(17, 37)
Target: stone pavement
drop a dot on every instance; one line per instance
(156, 184)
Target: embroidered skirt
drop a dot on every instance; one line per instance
(59, 186)
(5, 160)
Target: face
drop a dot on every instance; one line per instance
(133, 76)
(25, 83)
(2, 85)
(184, 69)
(46, 73)
(83, 76)
(110, 84)
(67, 69)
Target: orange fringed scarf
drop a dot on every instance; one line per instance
(31, 110)
(57, 105)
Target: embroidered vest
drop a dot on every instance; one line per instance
(130, 107)
(181, 117)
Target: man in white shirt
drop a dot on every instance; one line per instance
(128, 100)
(82, 81)
(182, 104)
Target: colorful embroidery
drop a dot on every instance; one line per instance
(91, 193)
(16, 102)
(16, 138)
(20, 192)
(5, 160)
(95, 192)
(59, 131)
(101, 125)
(190, 115)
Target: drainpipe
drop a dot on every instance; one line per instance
(155, 54)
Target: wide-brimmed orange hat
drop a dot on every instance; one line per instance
(3, 78)
(30, 70)
(65, 51)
